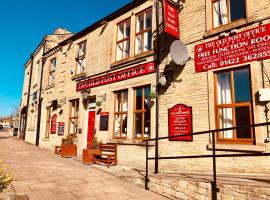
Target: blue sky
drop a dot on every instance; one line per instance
(23, 25)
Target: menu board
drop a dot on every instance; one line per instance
(180, 122)
(104, 121)
(61, 128)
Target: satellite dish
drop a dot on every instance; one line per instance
(179, 52)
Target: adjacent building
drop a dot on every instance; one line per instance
(115, 80)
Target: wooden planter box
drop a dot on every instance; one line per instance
(87, 157)
(68, 150)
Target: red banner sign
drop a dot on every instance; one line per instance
(53, 124)
(140, 70)
(243, 47)
(171, 18)
(180, 122)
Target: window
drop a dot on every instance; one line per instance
(48, 123)
(36, 72)
(227, 11)
(33, 115)
(80, 59)
(143, 39)
(73, 117)
(123, 40)
(52, 71)
(120, 114)
(142, 112)
(234, 105)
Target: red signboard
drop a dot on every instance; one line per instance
(180, 122)
(140, 70)
(53, 124)
(243, 47)
(171, 18)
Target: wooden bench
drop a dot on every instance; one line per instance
(57, 149)
(107, 154)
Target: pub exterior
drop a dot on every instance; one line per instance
(115, 80)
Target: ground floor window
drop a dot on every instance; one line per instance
(234, 105)
(48, 122)
(120, 114)
(142, 112)
(73, 117)
(33, 116)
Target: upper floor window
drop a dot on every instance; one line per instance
(52, 71)
(227, 11)
(80, 59)
(36, 72)
(143, 39)
(234, 105)
(123, 40)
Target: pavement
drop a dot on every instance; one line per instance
(42, 175)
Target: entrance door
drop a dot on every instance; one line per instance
(91, 128)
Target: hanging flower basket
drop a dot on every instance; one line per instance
(152, 95)
(98, 103)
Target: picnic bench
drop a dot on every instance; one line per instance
(107, 154)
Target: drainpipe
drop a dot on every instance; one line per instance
(157, 88)
(39, 98)
(28, 95)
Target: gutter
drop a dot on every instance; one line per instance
(39, 97)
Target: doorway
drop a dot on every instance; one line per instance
(91, 121)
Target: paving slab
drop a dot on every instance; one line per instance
(42, 175)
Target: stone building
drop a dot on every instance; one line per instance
(102, 81)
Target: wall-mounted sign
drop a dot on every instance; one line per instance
(171, 18)
(61, 128)
(180, 122)
(140, 70)
(53, 124)
(104, 121)
(243, 47)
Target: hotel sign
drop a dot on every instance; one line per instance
(180, 122)
(171, 19)
(243, 47)
(125, 74)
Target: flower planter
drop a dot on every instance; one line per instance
(68, 150)
(87, 157)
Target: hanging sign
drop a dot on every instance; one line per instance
(171, 18)
(243, 47)
(61, 128)
(53, 124)
(180, 122)
(104, 121)
(125, 74)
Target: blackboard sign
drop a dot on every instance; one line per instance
(104, 121)
(180, 122)
(61, 128)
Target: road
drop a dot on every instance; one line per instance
(44, 176)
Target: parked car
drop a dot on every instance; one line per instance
(15, 131)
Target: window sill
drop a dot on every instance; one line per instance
(35, 85)
(129, 142)
(228, 27)
(131, 59)
(238, 147)
(46, 139)
(49, 87)
(31, 129)
(76, 76)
